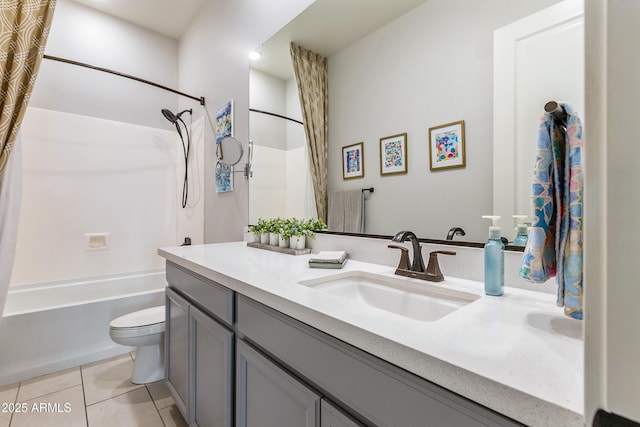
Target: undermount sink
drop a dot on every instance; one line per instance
(419, 301)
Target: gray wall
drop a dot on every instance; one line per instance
(214, 62)
(432, 66)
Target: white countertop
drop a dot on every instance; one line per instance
(516, 354)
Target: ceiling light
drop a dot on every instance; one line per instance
(255, 55)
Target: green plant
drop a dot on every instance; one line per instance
(295, 227)
(286, 228)
(259, 227)
(312, 225)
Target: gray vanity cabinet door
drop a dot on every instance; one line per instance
(211, 371)
(177, 348)
(330, 416)
(267, 396)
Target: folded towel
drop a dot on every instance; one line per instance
(346, 211)
(335, 257)
(554, 247)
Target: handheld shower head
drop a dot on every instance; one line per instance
(169, 115)
(173, 118)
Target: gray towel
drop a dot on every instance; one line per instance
(346, 211)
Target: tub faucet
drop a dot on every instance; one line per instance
(455, 231)
(418, 263)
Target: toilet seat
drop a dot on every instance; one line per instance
(144, 322)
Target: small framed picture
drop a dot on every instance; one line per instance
(224, 178)
(446, 146)
(393, 154)
(224, 121)
(353, 161)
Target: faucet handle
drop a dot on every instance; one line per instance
(404, 257)
(433, 268)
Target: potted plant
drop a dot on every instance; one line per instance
(285, 233)
(274, 230)
(298, 233)
(261, 229)
(256, 231)
(314, 225)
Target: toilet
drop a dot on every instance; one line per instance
(144, 330)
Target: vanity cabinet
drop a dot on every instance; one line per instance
(199, 346)
(177, 348)
(251, 366)
(268, 396)
(210, 364)
(373, 390)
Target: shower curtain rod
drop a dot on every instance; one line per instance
(275, 115)
(138, 79)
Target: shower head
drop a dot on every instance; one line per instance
(169, 115)
(173, 118)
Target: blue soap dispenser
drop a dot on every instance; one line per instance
(493, 260)
(521, 231)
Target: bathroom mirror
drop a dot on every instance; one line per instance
(420, 66)
(229, 151)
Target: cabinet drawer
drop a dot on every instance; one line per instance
(379, 391)
(210, 296)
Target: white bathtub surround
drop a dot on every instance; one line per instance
(85, 176)
(10, 196)
(516, 354)
(51, 326)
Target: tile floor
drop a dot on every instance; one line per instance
(94, 395)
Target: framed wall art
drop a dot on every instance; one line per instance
(224, 178)
(224, 121)
(353, 161)
(446, 146)
(393, 154)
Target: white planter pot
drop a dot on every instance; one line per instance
(264, 238)
(297, 242)
(256, 238)
(273, 239)
(283, 243)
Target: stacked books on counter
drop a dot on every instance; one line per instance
(328, 259)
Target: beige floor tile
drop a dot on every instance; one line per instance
(172, 417)
(135, 409)
(50, 383)
(63, 408)
(160, 394)
(7, 396)
(108, 378)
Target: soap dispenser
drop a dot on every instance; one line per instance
(521, 231)
(493, 260)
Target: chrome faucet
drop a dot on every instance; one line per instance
(418, 263)
(432, 273)
(455, 231)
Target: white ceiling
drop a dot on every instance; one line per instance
(326, 27)
(168, 17)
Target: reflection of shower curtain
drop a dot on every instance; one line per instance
(311, 70)
(310, 209)
(10, 196)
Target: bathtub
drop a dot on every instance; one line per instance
(56, 325)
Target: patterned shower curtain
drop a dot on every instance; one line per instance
(311, 76)
(24, 28)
